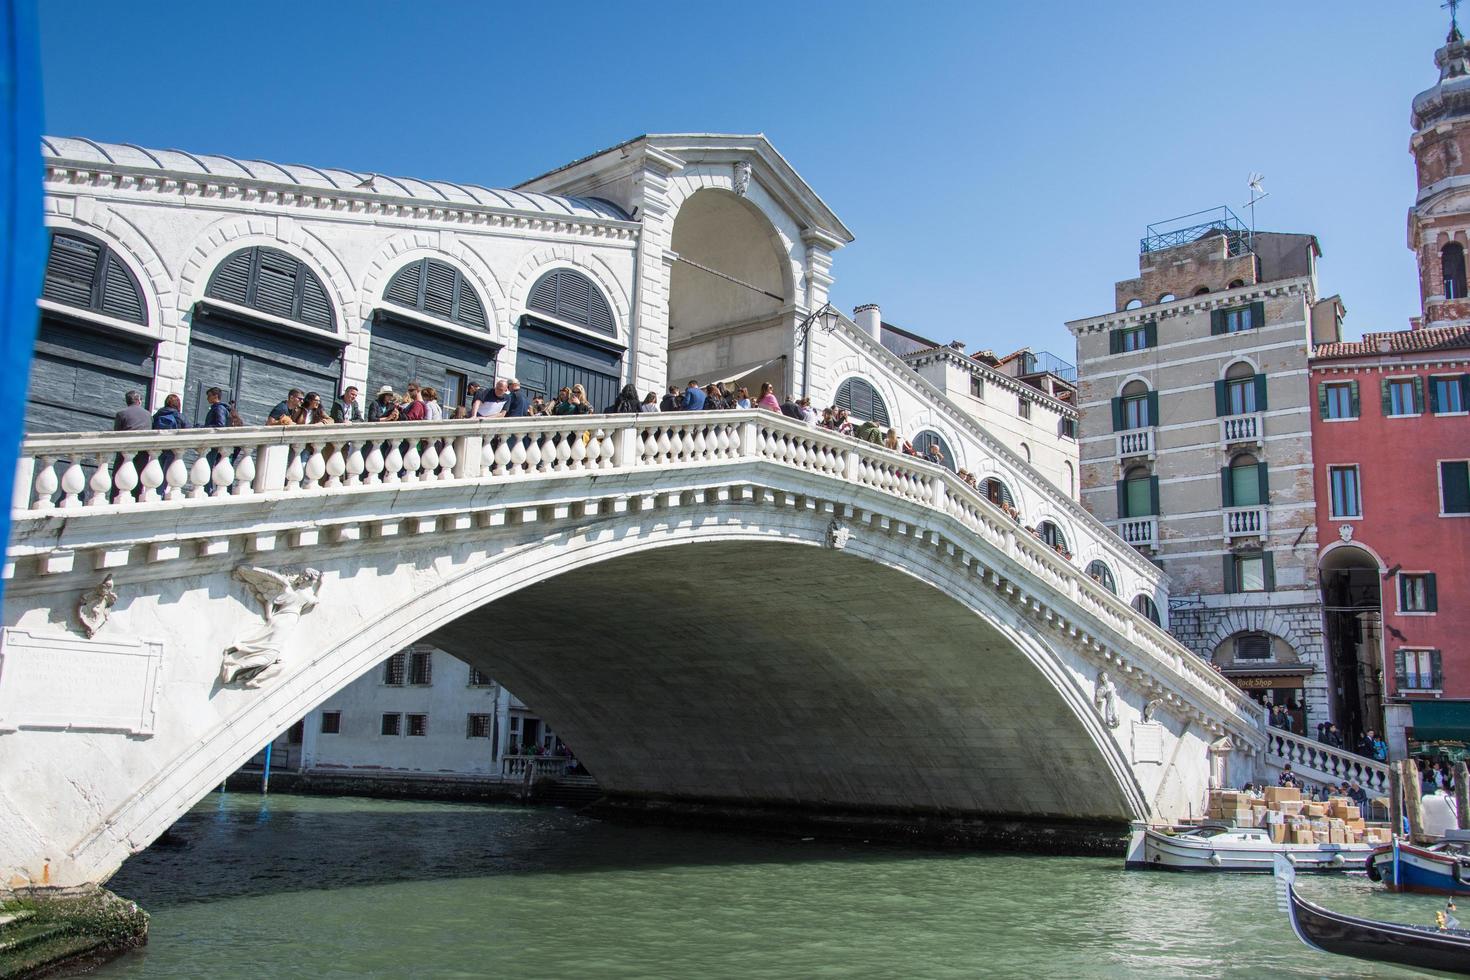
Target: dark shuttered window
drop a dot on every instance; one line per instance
(925, 439)
(86, 274)
(1454, 486)
(862, 400)
(438, 289)
(572, 298)
(269, 280)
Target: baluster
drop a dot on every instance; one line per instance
(73, 482)
(799, 453)
(245, 473)
(336, 466)
(412, 460)
(199, 474)
(294, 470)
(565, 459)
(701, 444)
(101, 482)
(315, 469)
(650, 446)
(517, 454)
(45, 484)
(502, 457)
(599, 450)
(429, 459)
(574, 455)
(354, 465)
(392, 464)
(722, 442)
(373, 471)
(224, 473)
(152, 479)
(448, 459)
(175, 478)
(535, 459)
(665, 447)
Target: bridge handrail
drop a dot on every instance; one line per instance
(1284, 747)
(129, 473)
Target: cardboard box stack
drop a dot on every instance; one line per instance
(1292, 820)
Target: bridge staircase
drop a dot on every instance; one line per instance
(1322, 764)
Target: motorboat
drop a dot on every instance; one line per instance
(1443, 947)
(1239, 849)
(1442, 868)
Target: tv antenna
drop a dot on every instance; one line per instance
(1258, 193)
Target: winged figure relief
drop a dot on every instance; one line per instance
(257, 656)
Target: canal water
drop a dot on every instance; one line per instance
(323, 887)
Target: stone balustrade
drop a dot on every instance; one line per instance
(1140, 531)
(545, 766)
(1136, 442)
(1245, 522)
(129, 473)
(1321, 763)
(1241, 428)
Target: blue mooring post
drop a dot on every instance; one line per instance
(265, 777)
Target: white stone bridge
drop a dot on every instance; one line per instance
(726, 608)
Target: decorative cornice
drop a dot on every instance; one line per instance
(1191, 304)
(62, 173)
(992, 376)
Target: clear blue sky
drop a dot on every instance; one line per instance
(997, 163)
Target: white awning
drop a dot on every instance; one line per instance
(734, 374)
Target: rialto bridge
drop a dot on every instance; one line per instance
(723, 607)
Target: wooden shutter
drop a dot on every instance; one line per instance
(1153, 495)
(1454, 479)
(1264, 482)
(1322, 399)
(1217, 322)
(1268, 571)
(1387, 401)
(71, 271)
(1433, 396)
(121, 297)
(1436, 670)
(1222, 399)
(440, 280)
(1122, 488)
(406, 285)
(1431, 593)
(1115, 341)
(1400, 672)
(231, 281)
(1258, 315)
(1418, 394)
(1353, 405)
(1151, 334)
(1260, 381)
(1118, 414)
(1403, 582)
(1227, 490)
(1465, 392)
(1152, 400)
(1228, 573)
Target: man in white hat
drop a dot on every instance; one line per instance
(384, 407)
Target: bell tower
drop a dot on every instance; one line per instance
(1439, 221)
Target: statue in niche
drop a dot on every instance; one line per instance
(257, 656)
(742, 177)
(96, 605)
(838, 534)
(1105, 697)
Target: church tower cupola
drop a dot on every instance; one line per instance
(1440, 218)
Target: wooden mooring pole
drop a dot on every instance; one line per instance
(1462, 796)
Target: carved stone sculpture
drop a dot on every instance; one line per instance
(96, 605)
(1105, 697)
(837, 534)
(742, 177)
(1149, 707)
(257, 656)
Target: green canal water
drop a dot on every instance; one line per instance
(320, 887)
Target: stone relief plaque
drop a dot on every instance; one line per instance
(60, 680)
(1148, 742)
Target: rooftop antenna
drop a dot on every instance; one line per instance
(1453, 7)
(1259, 193)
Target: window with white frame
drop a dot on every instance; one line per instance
(1418, 592)
(1236, 320)
(1449, 394)
(977, 386)
(1454, 487)
(1133, 338)
(1347, 501)
(1023, 406)
(1400, 397)
(1339, 400)
(1418, 670)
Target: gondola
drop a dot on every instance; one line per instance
(1419, 947)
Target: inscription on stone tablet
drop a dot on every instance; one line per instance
(1148, 742)
(60, 680)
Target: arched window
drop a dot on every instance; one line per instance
(84, 273)
(997, 492)
(1146, 606)
(1245, 482)
(1138, 493)
(572, 298)
(926, 442)
(1025, 452)
(1452, 268)
(271, 281)
(1133, 304)
(1202, 290)
(1102, 575)
(1135, 407)
(1052, 535)
(438, 289)
(863, 401)
(1242, 390)
(1167, 298)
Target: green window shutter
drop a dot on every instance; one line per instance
(1153, 408)
(1153, 495)
(1418, 394)
(1217, 322)
(1321, 399)
(1431, 593)
(1258, 315)
(1265, 484)
(1454, 478)
(1151, 334)
(1400, 673)
(1122, 487)
(1117, 414)
(1115, 341)
(1260, 392)
(1353, 398)
(1222, 399)
(1268, 571)
(1465, 391)
(1227, 494)
(1436, 670)
(1402, 582)
(1387, 402)
(1228, 573)
(1433, 396)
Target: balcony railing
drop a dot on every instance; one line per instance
(1245, 522)
(1136, 442)
(1241, 428)
(1324, 764)
(546, 766)
(1140, 531)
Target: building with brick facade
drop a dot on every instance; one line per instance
(1196, 443)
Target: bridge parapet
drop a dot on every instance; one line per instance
(147, 488)
(1322, 763)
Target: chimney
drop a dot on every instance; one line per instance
(870, 318)
(958, 345)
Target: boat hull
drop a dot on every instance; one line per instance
(1382, 942)
(1160, 852)
(1420, 870)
